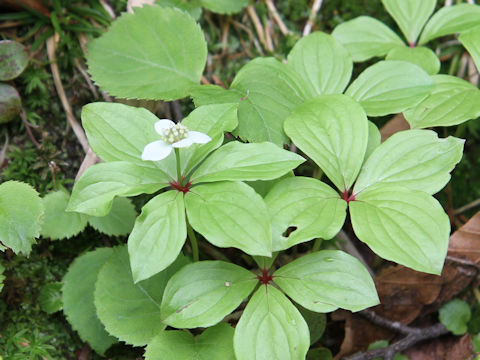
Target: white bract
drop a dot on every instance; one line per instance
(172, 136)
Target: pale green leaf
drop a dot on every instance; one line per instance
(156, 53)
(471, 41)
(193, 7)
(19, 224)
(333, 131)
(451, 102)
(50, 298)
(224, 6)
(13, 59)
(214, 94)
(455, 315)
(451, 20)
(271, 327)
(158, 235)
(402, 225)
(317, 322)
(365, 37)
(416, 159)
(203, 293)
(322, 62)
(238, 161)
(374, 139)
(131, 311)
(119, 221)
(263, 187)
(57, 223)
(307, 206)
(390, 87)
(419, 55)
(230, 214)
(327, 280)
(78, 305)
(10, 103)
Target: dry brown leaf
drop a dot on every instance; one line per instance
(133, 3)
(396, 124)
(444, 348)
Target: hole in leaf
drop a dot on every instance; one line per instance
(289, 230)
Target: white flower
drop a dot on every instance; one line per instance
(172, 136)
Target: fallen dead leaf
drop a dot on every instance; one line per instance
(396, 124)
(444, 348)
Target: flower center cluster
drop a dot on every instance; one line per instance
(174, 134)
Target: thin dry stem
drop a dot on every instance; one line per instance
(317, 4)
(257, 24)
(276, 16)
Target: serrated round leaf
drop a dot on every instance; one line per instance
(365, 37)
(158, 235)
(203, 293)
(452, 101)
(450, 20)
(57, 223)
(271, 90)
(19, 224)
(410, 15)
(415, 159)
(156, 53)
(322, 62)
(224, 6)
(215, 343)
(271, 327)
(119, 221)
(327, 280)
(310, 207)
(131, 311)
(390, 87)
(374, 139)
(10, 103)
(419, 55)
(471, 41)
(193, 7)
(455, 315)
(13, 59)
(77, 296)
(406, 226)
(230, 214)
(50, 298)
(214, 94)
(333, 131)
(249, 162)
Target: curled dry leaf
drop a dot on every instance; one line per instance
(451, 348)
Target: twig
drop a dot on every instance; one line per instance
(467, 207)
(256, 23)
(84, 73)
(90, 159)
(268, 37)
(107, 8)
(253, 39)
(23, 116)
(462, 262)
(317, 4)
(3, 153)
(276, 16)
(396, 326)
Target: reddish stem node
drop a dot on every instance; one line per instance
(265, 278)
(348, 197)
(184, 189)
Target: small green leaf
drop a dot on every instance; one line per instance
(374, 139)
(13, 59)
(50, 298)
(455, 315)
(224, 6)
(19, 224)
(322, 62)
(450, 20)
(406, 226)
(215, 343)
(333, 131)
(203, 293)
(416, 159)
(327, 280)
(365, 37)
(10, 103)
(419, 55)
(319, 354)
(230, 214)
(158, 235)
(410, 15)
(119, 221)
(78, 306)
(238, 161)
(307, 206)
(156, 53)
(57, 223)
(451, 102)
(214, 94)
(471, 41)
(193, 7)
(317, 322)
(390, 87)
(271, 317)
(131, 311)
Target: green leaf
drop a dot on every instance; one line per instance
(390, 87)
(158, 235)
(327, 280)
(78, 306)
(319, 354)
(57, 223)
(19, 224)
(455, 315)
(119, 221)
(307, 206)
(238, 161)
(317, 322)
(450, 20)
(215, 343)
(224, 6)
(203, 293)
(333, 131)
(214, 94)
(271, 90)
(94, 192)
(420, 55)
(156, 53)
(471, 41)
(193, 7)
(365, 37)
(13, 59)
(410, 15)
(50, 298)
(10, 103)
(131, 311)
(406, 226)
(451, 102)
(416, 159)
(230, 214)
(374, 139)
(322, 62)
(272, 318)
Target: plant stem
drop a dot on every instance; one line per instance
(179, 170)
(317, 244)
(193, 241)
